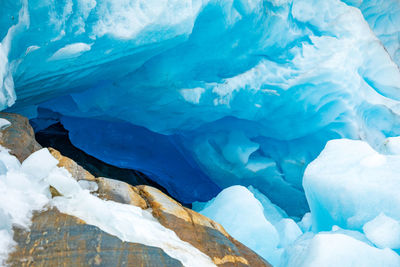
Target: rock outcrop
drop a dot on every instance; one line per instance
(57, 239)
(19, 137)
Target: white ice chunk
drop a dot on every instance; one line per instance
(306, 222)
(333, 250)
(242, 215)
(20, 195)
(62, 180)
(272, 213)
(39, 164)
(288, 231)
(383, 231)
(4, 124)
(349, 184)
(71, 51)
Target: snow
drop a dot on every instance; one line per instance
(129, 223)
(19, 197)
(24, 188)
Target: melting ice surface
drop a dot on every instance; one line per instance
(205, 94)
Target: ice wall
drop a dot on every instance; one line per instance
(253, 89)
(383, 16)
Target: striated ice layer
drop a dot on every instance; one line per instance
(253, 89)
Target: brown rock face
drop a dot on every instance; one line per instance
(201, 232)
(19, 138)
(57, 239)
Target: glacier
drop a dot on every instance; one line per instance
(248, 92)
(290, 107)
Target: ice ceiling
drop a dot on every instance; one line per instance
(204, 94)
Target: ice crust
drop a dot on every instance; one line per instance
(24, 188)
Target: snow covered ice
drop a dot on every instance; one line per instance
(277, 118)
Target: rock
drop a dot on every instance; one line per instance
(201, 232)
(19, 137)
(120, 192)
(57, 239)
(76, 171)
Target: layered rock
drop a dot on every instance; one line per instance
(56, 239)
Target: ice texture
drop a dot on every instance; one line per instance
(353, 193)
(350, 184)
(383, 231)
(329, 250)
(384, 18)
(252, 219)
(248, 90)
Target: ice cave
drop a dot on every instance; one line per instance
(200, 133)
